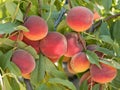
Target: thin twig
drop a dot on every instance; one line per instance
(39, 8)
(69, 3)
(81, 41)
(111, 17)
(27, 10)
(28, 84)
(16, 11)
(97, 24)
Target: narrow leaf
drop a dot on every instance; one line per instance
(92, 57)
(39, 71)
(7, 27)
(65, 83)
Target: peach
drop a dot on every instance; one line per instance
(54, 45)
(79, 18)
(104, 74)
(24, 61)
(1, 35)
(16, 36)
(96, 15)
(26, 76)
(79, 62)
(37, 26)
(73, 45)
(34, 44)
(69, 68)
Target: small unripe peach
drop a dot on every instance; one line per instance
(104, 74)
(73, 45)
(54, 45)
(79, 62)
(37, 26)
(24, 61)
(79, 18)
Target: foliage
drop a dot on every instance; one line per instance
(48, 76)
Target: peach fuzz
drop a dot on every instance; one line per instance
(79, 18)
(24, 61)
(54, 45)
(37, 26)
(73, 45)
(79, 62)
(104, 74)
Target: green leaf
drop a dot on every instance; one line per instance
(14, 10)
(30, 49)
(7, 27)
(48, 86)
(106, 39)
(39, 71)
(105, 51)
(96, 87)
(107, 4)
(65, 83)
(14, 69)
(62, 26)
(14, 84)
(21, 27)
(111, 63)
(6, 83)
(52, 70)
(116, 31)
(104, 29)
(115, 84)
(5, 59)
(92, 57)
(84, 86)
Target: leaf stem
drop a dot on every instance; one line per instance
(28, 84)
(111, 17)
(27, 10)
(39, 8)
(81, 41)
(16, 11)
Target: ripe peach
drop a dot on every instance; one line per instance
(24, 61)
(26, 76)
(96, 15)
(34, 44)
(1, 35)
(54, 45)
(69, 68)
(104, 74)
(38, 28)
(79, 62)
(73, 45)
(16, 36)
(79, 18)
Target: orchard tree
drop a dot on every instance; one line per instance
(59, 44)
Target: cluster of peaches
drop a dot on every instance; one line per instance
(54, 45)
